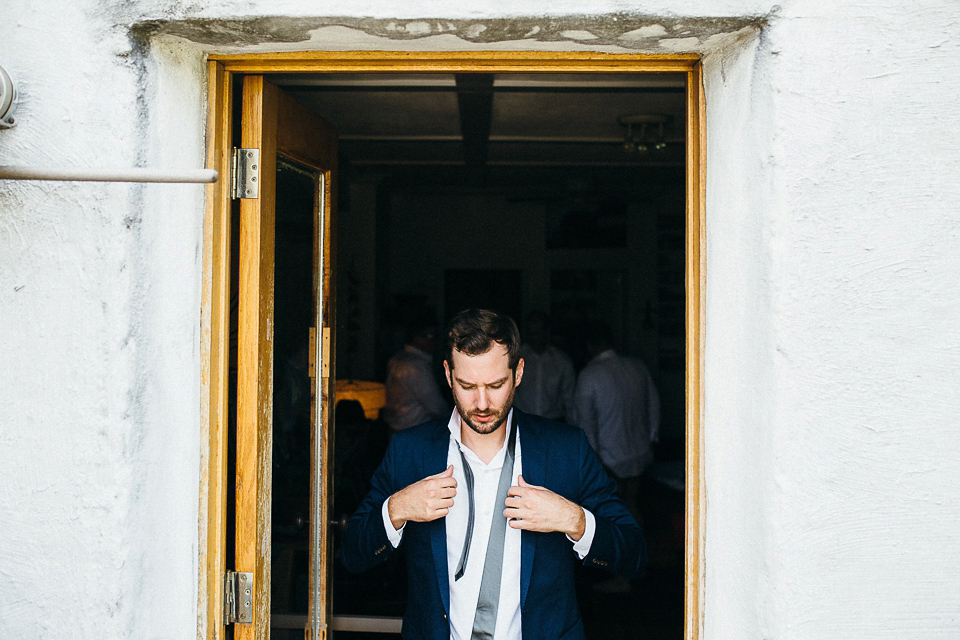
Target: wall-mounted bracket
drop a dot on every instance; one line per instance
(8, 100)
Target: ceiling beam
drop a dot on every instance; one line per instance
(475, 101)
(349, 88)
(349, 137)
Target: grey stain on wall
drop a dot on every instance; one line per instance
(624, 30)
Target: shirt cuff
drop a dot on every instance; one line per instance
(395, 535)
(581, 546)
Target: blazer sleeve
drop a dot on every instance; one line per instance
(364, 542)
(618, 543)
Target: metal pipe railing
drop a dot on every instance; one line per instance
(190, 176)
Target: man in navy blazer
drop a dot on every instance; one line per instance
(562, 504)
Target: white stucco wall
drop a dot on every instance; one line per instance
(833, 320)
(832, 334)
(99, 374)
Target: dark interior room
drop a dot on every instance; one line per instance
(562, 193)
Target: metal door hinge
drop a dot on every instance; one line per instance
(237, 597)
(245, 173)
(325, 352)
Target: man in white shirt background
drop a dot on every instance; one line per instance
(413, 396)
(548, 377)
(618, 407)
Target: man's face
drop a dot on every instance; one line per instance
(483, 387)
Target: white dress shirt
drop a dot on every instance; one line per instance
(465, 593)
(618, 408)
(547, 386)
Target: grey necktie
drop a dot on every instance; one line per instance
(485, 619)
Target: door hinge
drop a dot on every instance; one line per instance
(237, 597)
(245, 173)
(325, 352)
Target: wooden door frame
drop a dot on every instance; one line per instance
(215, 310)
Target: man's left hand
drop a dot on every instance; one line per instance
(535, 508)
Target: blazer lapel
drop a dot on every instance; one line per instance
(435, 461)
(533, 456)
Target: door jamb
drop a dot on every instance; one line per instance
(215, 306)
(215, 357)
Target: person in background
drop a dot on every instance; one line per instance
(413, 396)
(618, 407)
(548, 381)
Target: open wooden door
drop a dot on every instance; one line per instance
(290, 141)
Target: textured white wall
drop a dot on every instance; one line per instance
(833, 466)
(99, 301)
(833, 327)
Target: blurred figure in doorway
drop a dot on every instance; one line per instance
(618, 407)
(548, 379)
(413, 396)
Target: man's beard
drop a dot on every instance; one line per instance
(483, 428)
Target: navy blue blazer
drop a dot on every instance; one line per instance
(554, 455)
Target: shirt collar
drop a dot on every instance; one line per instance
(604, 355)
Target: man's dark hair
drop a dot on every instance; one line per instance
(475, 330)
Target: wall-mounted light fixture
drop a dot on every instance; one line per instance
(633, 143)
(8, 100)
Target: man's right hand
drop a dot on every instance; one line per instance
(423, 501)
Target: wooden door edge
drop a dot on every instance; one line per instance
(328, 315)
(255, 279)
